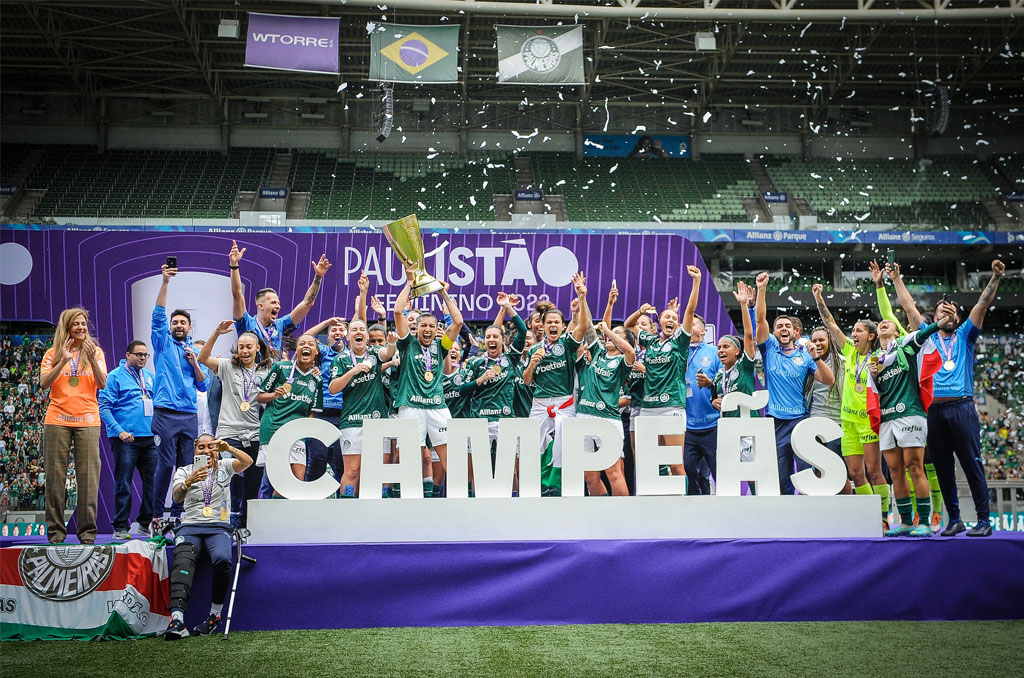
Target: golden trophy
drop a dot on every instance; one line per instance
(407, 242)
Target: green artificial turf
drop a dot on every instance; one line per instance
(828, 649)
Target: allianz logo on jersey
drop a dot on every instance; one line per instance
(513, 263)
(62, 573)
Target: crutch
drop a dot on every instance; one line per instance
(241, 534)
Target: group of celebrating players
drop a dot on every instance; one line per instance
(904, 399)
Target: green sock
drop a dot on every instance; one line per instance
(924, 510)
(905, 506)
(428, 487)
(436, 491)
(933, 483)
(862, 489)
(664, 470)
(883, 492)
(913, 493)
(396, 491)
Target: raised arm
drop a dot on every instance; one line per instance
(824, 373)
(613, 296)
(241, 460)
(838, 337)
(364, 287)
(691, 303)
(634, 317)
(453, 329)
(401, 322)
(761, 309)
(743, 294)
(579, 281)
(161, 295)
(379, 311)
(320, 269)
(323, 325)
(205, 356)
(988, 295)
(625, 348)
(238, 309)
(914, 317)
(884, 307)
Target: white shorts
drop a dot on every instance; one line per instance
(903, 432)
(746, 448)
(634, 412)
(434, 456)
(352, 440)
(664, 412)
(551, 428)
(590, 442)
(432, 422)
(296, 455)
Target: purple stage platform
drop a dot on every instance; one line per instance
(590, 582)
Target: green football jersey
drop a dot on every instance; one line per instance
(600, 383)
(898, 383)
(495, 398)
(306, 396)
(420, 382)
(634, 387)
(522, 403)
(740, 377)
(458, 392)
(665, 360)
(555, 375)
(364, 394)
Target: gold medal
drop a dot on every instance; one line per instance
(287, 387)
(428, 375)
(73, 381)
(244, 406)
(207, 511)
(497, 370)
(859, 388)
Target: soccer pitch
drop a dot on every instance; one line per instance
(959, 649)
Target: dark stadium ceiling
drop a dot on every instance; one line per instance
(770, 53)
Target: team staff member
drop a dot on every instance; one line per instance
(291, 390)
(786, 368)
(179, 377)
(265, 323)
(318, 455)
(419, 391)
(204, 489)
(600, 384)
(898, 400)
(665, 362)
(126, 408)
(74, 369)
(550, 370)
(356, 374)
(701, 446)
(953, 425)
(239, 421)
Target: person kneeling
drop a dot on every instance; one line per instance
(205, 488)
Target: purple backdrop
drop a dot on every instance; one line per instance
(97, 270)
(292, 43)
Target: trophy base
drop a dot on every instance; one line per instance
(425, 285)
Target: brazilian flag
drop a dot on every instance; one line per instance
(404, 53)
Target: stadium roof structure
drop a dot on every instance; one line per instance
(811, 54)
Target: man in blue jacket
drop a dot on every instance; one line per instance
(178, 377)
(126, 408)
(700, 451)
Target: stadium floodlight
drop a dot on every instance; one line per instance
(228, 28)
(704, 41)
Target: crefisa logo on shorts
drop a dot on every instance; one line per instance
(63, 573)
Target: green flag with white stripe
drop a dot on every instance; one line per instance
(540, 55)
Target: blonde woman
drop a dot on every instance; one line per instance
(74, 369)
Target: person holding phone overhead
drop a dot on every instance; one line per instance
(266, 324)
(178, 378)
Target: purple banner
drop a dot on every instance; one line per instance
(292, 43)
(116, 274)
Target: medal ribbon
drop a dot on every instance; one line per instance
(207, 487)
(268, 333)
(946, 348)
(248, 381)
(74, 362)
(291, 375)
(428, 361)
(140, 380)
(859, 367)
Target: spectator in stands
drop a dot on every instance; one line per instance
(126, 408)
(203, 487)
(74, 369)
(178, 378)
(786, 367)
(239, 421)
(953, 424)
(266, 323)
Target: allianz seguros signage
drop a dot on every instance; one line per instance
(64, 573)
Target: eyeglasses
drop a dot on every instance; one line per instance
(140, 355)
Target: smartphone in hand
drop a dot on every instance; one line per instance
(172, 262)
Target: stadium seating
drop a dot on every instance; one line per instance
(943, 192)
(1012, 166)
(633, 189)
(435, 188)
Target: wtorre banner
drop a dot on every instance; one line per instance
(292, 43)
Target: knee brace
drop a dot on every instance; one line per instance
(185, 557)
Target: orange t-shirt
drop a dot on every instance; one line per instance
(72, 405)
